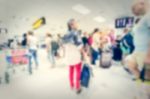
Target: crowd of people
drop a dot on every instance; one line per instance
(91, 49)
(130, 49)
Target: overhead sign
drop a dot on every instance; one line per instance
(40, 22)
(124, 22)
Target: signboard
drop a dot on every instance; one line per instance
(124, 22)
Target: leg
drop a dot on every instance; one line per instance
(30, 62)
(78, 75)
(35, 57)
(53, 57)
(48, 56)
(94, 56)
(133, 67)
(71, 76)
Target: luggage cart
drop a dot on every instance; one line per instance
(14, 58)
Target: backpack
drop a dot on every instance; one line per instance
(54, 45)
(85, 76)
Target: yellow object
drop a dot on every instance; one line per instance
(40, 22)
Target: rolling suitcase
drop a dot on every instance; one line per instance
(106, 59)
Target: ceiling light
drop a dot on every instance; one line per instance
(81, 9)
(99, 19)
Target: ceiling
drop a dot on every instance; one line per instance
(19, 15)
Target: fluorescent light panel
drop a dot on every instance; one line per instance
(99, 19)
(81, 9)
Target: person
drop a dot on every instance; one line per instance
(105, 42)
(24, 41)
(141, 39)
(86, 55)
(137, 60)
(32, 43)
(72, 47)
(85, 39)
(128, 41)
(111, 36)
(14, 43)
(48, 41)
(95, 46)
(90, 40)
(54, 48)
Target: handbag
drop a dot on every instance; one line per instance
(85, 76)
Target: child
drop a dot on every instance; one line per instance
(86, 56)
(87, 70)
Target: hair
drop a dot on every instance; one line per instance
(24, 35)
(30, 33)
(49, 35)
(140, 7)
(69, 23)
(96, 30)
(126, 30)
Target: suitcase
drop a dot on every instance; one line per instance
(106, 59)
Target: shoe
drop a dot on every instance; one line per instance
(127, 70)
(79, 91)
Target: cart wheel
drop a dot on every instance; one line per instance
(7, 77)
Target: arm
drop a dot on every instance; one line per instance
(125, 43)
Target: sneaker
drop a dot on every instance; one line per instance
(79, 91)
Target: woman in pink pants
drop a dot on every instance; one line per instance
(72, 46)
(73, 60)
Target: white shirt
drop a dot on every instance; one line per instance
(108, 44)
(72, 54)
(96, 41)
(142, 34)
(32, 41)
(48, 42)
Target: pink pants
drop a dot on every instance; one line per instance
(75, 68)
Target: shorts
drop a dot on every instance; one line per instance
(138, 58)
